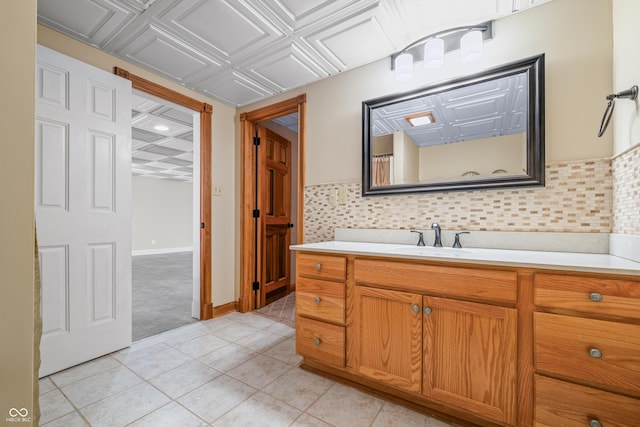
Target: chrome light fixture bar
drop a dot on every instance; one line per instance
(431, 48)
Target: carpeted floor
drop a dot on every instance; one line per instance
(162, 293)
(283, 309)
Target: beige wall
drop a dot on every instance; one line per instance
(162, 211)
(626, 121)
(224, 250)
(406, 159)
(575, 35)
(480, 155)
(17, 110)
(626, 73)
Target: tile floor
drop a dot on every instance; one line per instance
(235, 370)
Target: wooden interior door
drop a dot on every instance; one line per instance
(276, 211)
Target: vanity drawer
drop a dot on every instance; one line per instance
(467, 283)
(598, 352)
(559, 403)
(618, 298)
(321, 266)
(321, 341)
(321, 299)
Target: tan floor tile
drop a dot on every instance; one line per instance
(256, 320)
(346, 406)
(158, 363)
(53, 405)
(85, 370)
(45, 384)
(260, 341)
(216, 397)
(184, 378)
(228, 357)
(298, 388)
(90, 390)
(259, 410)
(140, 350)
(171, 415)
(201, 345)
(306, 420)
(285, 352)
(259, 371)
(393, 415)
(234, 331)
(124, 407)
(71, 420)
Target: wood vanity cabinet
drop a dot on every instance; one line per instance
(455, 352)
(586, 351)
(320, 307)
(490, 345)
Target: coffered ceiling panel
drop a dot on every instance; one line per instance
(158, 50)
(242, 51)
(231, 29)
(91, 21)
(287, 67)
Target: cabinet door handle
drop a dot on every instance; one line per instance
(595, 353)
(317, 341)
(317, 300)
(415, 308)
(318, 266)
(427, 310)
(595, 297)
(594, 423)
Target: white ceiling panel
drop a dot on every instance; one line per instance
(352, 42)
(92, 21)
(242, 51)
(158, 50)
(235, 89)
(288, 68)
(232, 28)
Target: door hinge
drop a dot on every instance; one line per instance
(256, 213)
(202, 225)
(256, 140)
(256, 286)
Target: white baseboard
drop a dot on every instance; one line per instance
(160, 251)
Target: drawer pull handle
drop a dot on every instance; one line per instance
(415, 308)
(427, 310)
(595, 353)
(318, 266)
(317, 341)
(595, 297)
(317, 300)
(594, 423)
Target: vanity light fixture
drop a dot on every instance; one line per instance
(421, 119)
(431, 49)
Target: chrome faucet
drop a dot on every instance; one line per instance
(456, 241)
(420, 237)
(438, 241)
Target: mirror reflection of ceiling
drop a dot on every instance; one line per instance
(482, 110)
(242, 51)
(162, 139)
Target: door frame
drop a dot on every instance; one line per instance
(248, 122)
(206, 110)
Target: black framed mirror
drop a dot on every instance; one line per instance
(475, 132)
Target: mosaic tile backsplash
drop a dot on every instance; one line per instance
(626, 192)
(577, 198)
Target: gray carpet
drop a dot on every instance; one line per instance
(162, 293)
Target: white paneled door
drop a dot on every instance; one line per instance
(83, 210)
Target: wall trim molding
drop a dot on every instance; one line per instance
(223, 309)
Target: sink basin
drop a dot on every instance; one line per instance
(431, 251)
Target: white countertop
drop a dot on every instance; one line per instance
(601, 263)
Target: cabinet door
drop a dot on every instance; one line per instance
(470, 357)
(388, 335)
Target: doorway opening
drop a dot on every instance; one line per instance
(267, 222)
(202, 307)
(165, 231)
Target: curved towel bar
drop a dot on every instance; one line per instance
(631, 93)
